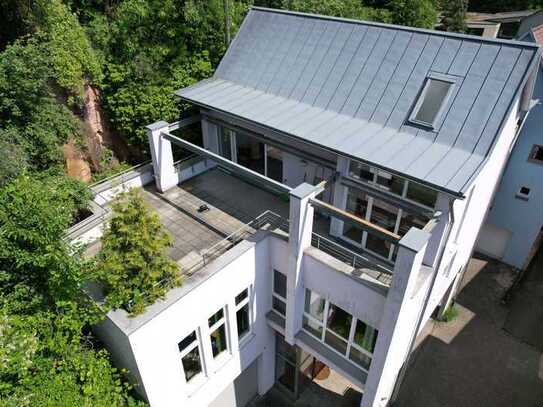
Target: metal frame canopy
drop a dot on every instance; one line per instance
(350, 86)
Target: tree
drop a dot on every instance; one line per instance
(44, 357)
(454, 16)
(414, 13)
(133, 262)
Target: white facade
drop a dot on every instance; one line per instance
(427, 267)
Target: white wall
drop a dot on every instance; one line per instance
(470, 219)
(155, 343)
(353, 296)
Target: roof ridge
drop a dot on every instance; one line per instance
(470, 37)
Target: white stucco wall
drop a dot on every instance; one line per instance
(469, 214)
(155, 343)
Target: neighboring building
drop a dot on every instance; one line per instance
(372, 152)
(513, 229)
(497, 25)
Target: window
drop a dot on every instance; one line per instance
(363, 344)
(313, 313)
(338, 326)
(189, 349)
(243, 316)
(279, 300)
(393, 184)
(421, 194)
(536, 155)
(348, 336)
(217, 327)
(431, 101)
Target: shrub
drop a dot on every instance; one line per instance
(133, 262)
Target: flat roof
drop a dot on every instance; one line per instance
(349, 86)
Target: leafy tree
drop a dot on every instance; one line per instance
(34, 213)
(135, 104)
(454, 16)
(133, 262)
(44, 358)
(16, 159)
(71, 56)
(414, 13)
(339, 8)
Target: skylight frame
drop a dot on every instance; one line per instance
(452, 81)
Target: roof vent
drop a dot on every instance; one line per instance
(432, 99)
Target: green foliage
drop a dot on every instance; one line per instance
(16, 161)
(496, 6)
(109, 166)
(133, 262)
(34, 260)
(24, 73)
(414, 13)
(348, 8)
(44, 360)
(454, 16)
(71, 56)
(450, 313)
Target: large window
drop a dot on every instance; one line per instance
(393, 184)
(243, 314)
(249, 151)
(381, 213)
(191, 359)
(217, 327)
(348, 336)
(279, 300)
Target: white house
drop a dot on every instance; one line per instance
(380, 148)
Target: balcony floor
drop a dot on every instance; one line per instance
(232, 203)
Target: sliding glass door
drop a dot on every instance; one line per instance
(251, 153)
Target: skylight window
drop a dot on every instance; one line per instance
(431, 102)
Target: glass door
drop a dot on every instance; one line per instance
(274, 163)
(250, 153)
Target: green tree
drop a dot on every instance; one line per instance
(414, 13)
(44, 358)
(339, 8)
(454, 16)
(133, 262)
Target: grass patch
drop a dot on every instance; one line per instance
(450, 313)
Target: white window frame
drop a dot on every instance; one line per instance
(216, 325)
(200, 377)
(246, 301)
(444, 103)
(277, 296)
(323, 324)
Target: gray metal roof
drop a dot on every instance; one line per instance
(349, 86)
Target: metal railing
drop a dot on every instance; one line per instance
(355, 260)
(266, 221)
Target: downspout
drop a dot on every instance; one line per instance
(403, 370)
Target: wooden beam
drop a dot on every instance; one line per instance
(349, 217)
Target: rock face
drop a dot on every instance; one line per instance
(76, 165)
(98, 132)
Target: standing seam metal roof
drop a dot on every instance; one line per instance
(349, 86)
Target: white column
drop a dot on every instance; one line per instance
(397, 325)
(300, 231)
(340, 196)
(161, 153)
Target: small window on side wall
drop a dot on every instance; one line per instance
(432, 99)
(536, 155)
